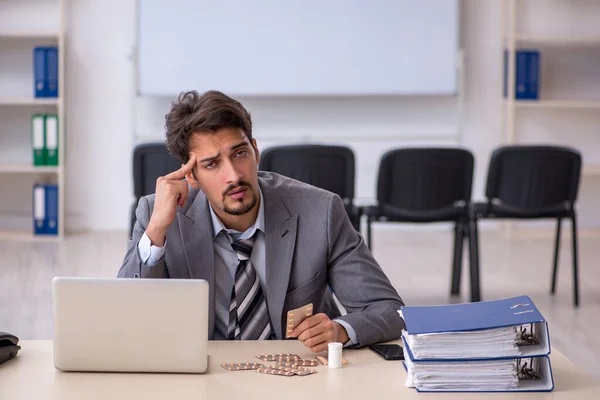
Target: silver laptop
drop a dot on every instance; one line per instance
(130, 325)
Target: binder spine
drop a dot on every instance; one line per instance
(51, 128)
(52, 71)
(39, 209)
(38, 140)
(533, 75)
(521, 76)
(52, 209)
(40, 72)
(526, 77)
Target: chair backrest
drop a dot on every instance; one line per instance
(422, 179)
(150, 161)
(533, 177)
(328, 167)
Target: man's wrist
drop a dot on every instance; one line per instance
(342, 335)
(156, 235)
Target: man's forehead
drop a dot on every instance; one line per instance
(217, 141)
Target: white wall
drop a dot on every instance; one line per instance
(101, 115)
(369, 126)
(99, 111)
(372, 125)
(480, 35)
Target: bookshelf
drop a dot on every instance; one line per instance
(28, 101)
(566, 104)
(26, 25)
(29, 35)
(567, 36)
(27, 169)
(577, 41)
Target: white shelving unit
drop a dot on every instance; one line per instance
(557, 41)
(25, 25)
(27, 169)
(564, 104)
(28, 101)
(576, 40)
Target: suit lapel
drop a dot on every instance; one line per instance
(280, 242)
(197, 236)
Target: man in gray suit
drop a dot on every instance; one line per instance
(265, 243)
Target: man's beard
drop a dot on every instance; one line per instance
(244, 208)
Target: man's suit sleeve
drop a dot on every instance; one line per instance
(359, 282)
(132, 266)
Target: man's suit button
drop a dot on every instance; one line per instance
(136, 275)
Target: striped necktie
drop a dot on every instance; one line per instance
(248, 313)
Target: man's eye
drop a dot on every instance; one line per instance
(210, 165)
(242, 153)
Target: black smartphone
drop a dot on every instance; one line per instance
(388, 351)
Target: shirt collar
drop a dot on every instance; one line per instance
(259, 224)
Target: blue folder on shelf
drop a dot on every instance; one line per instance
(515, 311)
(45, 209)
(45, 71)
(532, 81)
(39, 209)
(40, 71)
(52, 209)
(527, 73)
(52, 71)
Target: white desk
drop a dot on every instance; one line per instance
(31, 375)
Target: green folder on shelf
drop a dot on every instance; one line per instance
(38, 136)
(51, 139)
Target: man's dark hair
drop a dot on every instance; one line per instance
(195, 113)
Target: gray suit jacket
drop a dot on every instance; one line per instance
(310, 244)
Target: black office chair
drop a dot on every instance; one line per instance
(425, 185)
(150, 161)
(328, 167)
(534, 182)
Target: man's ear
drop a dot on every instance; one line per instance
(191, 179)
(256, 151)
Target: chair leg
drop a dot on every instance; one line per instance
(556, 251)
(474, 260)
(358, 218)
(369, 234)
(132, 218)
(354, 217)
(574, 250)
(457, 258)
(355, 223)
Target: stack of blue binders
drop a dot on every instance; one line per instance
(45, 70)
(501, 345)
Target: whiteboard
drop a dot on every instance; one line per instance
(289, 48)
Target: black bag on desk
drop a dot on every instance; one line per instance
(8, 346)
